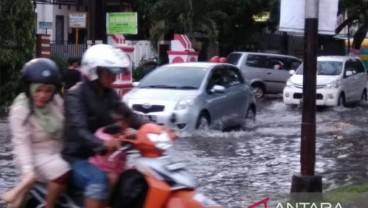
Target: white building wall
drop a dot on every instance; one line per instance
(48, 13)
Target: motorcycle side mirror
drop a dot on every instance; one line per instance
(131, 136)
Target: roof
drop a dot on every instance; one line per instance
(265, 54)
(336, 58)
(198, 64)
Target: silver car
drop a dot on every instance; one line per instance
(197, 95)
(266, 72)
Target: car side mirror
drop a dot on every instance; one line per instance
(292, 72)
(135, 84)
(218, 89)
(349, 73)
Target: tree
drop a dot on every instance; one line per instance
(357, 12)
(228, 21)
(16, 44)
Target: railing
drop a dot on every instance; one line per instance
(60, 2)
(67, 50)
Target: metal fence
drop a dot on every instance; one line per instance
(66, 50)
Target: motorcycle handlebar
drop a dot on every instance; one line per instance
(125, 147)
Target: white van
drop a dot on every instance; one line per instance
(340, 80)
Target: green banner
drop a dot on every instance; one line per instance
(122, 23)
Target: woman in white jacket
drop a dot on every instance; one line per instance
(36, 124)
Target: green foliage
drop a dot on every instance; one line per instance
(17, 43)
(60, 62)
(357, 11)
(228, 21)
(349, 194)
(138, 71)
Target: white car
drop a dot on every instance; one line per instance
(197, 95)
(340, 80)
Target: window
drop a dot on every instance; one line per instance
(277, 63)
(349, 68)
(359, 66)
(234, 58)
(59, 27)
(258, 61)
(231, 77)
(216, 78)
(294, 64)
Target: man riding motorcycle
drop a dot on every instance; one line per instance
(87, 108)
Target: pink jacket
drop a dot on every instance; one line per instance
(32, 146)
(101, 161)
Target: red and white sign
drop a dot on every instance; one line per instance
(181, 50)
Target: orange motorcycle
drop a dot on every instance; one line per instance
(155, 180)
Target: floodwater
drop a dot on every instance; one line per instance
(239, 168)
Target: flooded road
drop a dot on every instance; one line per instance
(239, 168)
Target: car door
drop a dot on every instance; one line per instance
(254, 67)
(237, 92)
(348, 85)
(278, 72)
(217, 103)
(360, 79)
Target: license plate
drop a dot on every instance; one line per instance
(150, 117)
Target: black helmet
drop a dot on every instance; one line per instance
(40, 70)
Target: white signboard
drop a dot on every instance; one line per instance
(292, 16)
(77, 20)
(45, 25)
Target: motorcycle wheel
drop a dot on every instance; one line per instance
(130, 191)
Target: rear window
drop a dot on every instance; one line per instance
(233, 58)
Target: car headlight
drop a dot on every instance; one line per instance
(161, 141)
(185, 103)
(335, 84)
(289, 83)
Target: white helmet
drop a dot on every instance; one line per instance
(106, 56)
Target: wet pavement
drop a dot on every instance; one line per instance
(239, 168)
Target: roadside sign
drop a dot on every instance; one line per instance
(45, 25)
(122, 23)
(77, 20)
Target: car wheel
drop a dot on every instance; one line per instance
(258, 91)
(250, 119)
(341, 101)
(203, 122)
(364, 95)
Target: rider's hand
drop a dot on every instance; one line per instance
(112, 144)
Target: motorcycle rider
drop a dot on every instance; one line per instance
(87, 108)
(36, 124)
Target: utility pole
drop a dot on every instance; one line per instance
(307, 181)
(91, 21)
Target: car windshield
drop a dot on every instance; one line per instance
(329, 68)
(174, 77)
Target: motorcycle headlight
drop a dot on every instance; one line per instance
(185, 103)
(162, 141)
(335, 84)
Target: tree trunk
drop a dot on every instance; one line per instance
(359, 36)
